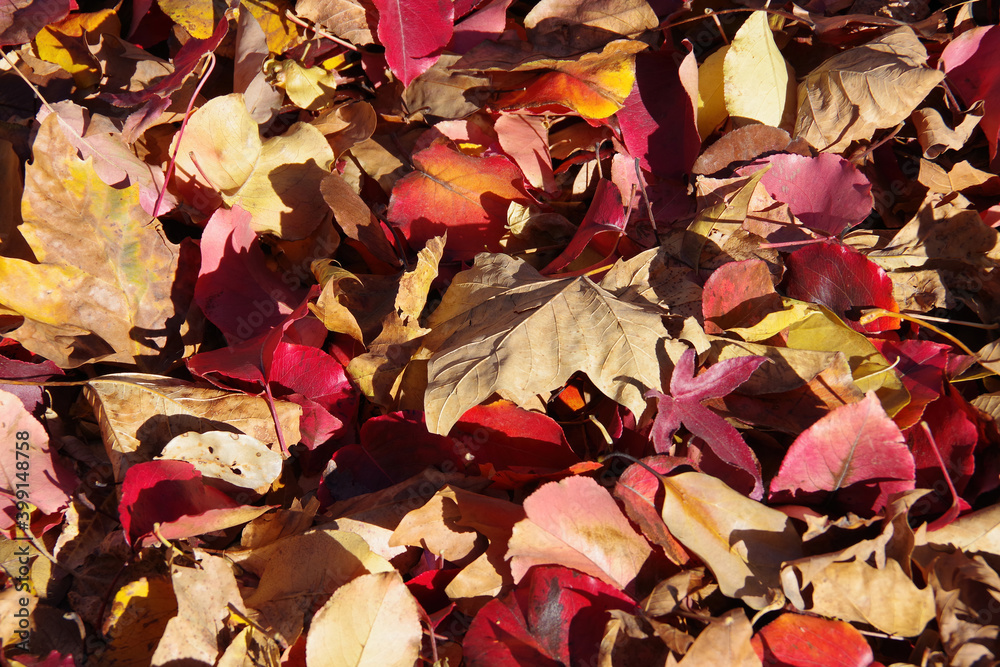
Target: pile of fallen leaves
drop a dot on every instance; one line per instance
(492, 332)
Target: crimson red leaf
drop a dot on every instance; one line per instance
(488, 22)
(792, 640)
(952, 421)
(658, 118)
(921, 366)
(827, 193)
(843, 280)
(16, 363)
(413, 33)
(556, 616)
(972, 62)
(172, 494)
(856, 444)
(684, 406)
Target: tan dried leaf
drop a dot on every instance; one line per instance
(863, 89)
(138, 414)
(352, 20)
(504, 328)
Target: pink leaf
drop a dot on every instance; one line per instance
(606, 216)
(21, 21)
(856, 444)
(827, 193)
(414, 32)
(972, 62)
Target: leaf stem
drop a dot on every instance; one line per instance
(319, 31)
(876, 313)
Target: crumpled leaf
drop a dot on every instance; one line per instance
(371, 620)
(971, 64)
(276, 180)
(576, 523)
(589, 24)
(107, 285)
(856, 444)
(757, 85)
(863, 89)
(547, 330)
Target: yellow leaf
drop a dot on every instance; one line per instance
(65, 44)
(756, 75)
(198, 17)
(711, 96)
(309, 88)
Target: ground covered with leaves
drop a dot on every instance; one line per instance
(491, 332)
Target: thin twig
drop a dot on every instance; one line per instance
(319, 31)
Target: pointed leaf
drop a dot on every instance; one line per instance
(413, 32)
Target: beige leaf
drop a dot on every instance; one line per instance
(726, 641)
(372, 621)
(966, 592)
(742, 541)
(276, 180)
(757, 85)
(298, 572)
(863, 89)
(138, 414)
(236, 458)
(856, 592)
(936, 137)
(504, 328)
(585, 24)
(334, 315)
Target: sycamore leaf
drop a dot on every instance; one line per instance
(503, 328)
(854, 444)
(757, 86)
(576, 523)
(372, 620)
(104, 285)
(467, 197)
(683, 406)
(414, 32)
(276, 180)
(860, 90)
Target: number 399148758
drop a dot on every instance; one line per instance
(21, 486)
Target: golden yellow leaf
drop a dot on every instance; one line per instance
(711, 92)
(755, 74)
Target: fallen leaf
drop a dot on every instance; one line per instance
(725, 641)
(352, 20)
(413, 32)
(576, 523)
(276, 181)
(970, 62)
(232, 457)
(21, 21)
(797, 641)
(615, 343)
(465, 197)
(757, 85)
(856, 444)
(104, 285)
(371, 620)
(863, 89)
(590, 23)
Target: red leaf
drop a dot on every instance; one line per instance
(413, 33)
(952, 421)
(525, 139)
(467, 197)
(921, 366)
(556, 616)
(172, 494)
(738, 294)
(856, 444)
(508, 437)
(844, 281)
(658, 119)
(792, 640)
(488, 22)
(827, 193)
(236, 290)
(972, 63)
(684, 406)
(16, 363)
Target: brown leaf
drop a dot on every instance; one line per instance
(965, 587)
(104, 287)
(373, 620)
(138, 414)
(726, 641)
(582, 26)
(863, 89)
(936, 137)
(503, 328)
(352, 20)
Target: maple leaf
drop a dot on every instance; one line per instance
(683, 406)
(503, 328)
